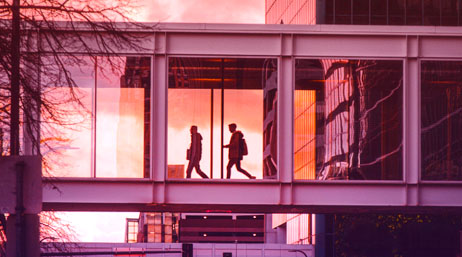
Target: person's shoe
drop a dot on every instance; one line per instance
(252, 177)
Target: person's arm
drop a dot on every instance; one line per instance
(193, 146)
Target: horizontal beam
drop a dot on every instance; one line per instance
(251, 196)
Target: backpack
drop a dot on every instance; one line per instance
(243, 146)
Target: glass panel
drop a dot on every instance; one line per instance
(66, 115)
(432, 12)
(100, 142)
(378, 12)
(449, 11)
(360, 11)
(347, 120)
(190, 95)
(441, 103)
(122, 103)
(342, 11)
(413, 12)
(222, 91)
(329, 5)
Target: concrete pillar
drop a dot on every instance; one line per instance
(29, 246)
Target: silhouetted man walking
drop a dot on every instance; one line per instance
(235, 151)
(194, 153)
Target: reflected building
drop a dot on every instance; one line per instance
(365, 12)
(136, 80)
(270, 100)
(350, 107)
(131, 230)
(157, 227)
(348, 122)
(114, 105)
(441, 103)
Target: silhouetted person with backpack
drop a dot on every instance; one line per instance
(237, 149)
(194, 153)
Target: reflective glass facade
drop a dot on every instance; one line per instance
(158, 227)
(107, 129)
(386, 12)
(393, 12)
(290, 12)
(131, 230)
(348, 119)
(441, 124)
(300, 228)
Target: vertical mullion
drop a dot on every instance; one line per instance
(222, 112)
(211, 133)
(93, 120)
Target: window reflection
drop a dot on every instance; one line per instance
(107, 130)
(393, 12)
(441, 125)
(347, 120)
(66, 127)
(122, 102)
(210, 94)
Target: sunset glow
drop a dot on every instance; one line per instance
(211, 11)
(192, 107)
(304, 134)
(120, 116)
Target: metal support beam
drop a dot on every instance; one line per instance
(248, 196)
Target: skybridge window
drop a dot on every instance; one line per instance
(348, 120)
(214, 105)
(97, 122)
(441, 120)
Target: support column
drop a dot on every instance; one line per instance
(411, 120)
(30, 236)
(285, 121)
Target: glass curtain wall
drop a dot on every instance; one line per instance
(99, 127)
(205, 96)
(394, 12)
(348, 119)
(441, 120)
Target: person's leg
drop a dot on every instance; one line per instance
(238, 167)
(199, 171)
(231, 162)
(189, 169)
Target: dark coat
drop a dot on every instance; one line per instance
(234, 145)
(196, 147)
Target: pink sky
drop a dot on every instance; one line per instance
(212, 11)
(218, 11)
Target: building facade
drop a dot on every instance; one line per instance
(342, 92)
(197, 228)
(365, 12)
